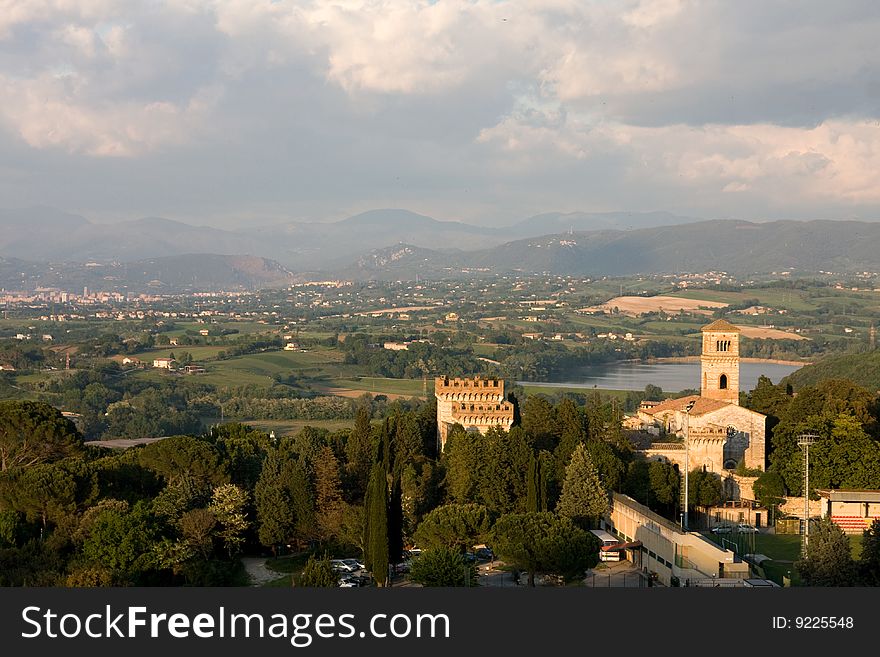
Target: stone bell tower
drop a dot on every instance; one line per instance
(719, 361)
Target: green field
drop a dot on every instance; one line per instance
(198, 352)
(377, 385)
(795, 300)
(291, 427)
(783, 549)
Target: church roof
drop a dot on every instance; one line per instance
(721, 325)
(702, 405)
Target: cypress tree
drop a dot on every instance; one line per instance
(376, 525)
(395, 522)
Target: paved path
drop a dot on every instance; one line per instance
(613, 574)
(258, 572)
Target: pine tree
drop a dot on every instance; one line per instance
(318, 573)
(828, 562)
(583, 498)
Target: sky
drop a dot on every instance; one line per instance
(242, 112)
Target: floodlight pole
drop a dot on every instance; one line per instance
(804, 441)
(687, 460)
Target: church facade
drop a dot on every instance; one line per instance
(720, 431)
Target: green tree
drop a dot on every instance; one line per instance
(539, 423)
(318, 573)
(34, 432)
(544, 543)
(572, 428)
(459, 526)
(584, 499)
(829, 561)
(769, 491)
(284, 505)
(228, 505)
(609, 465)
(122, 541)
(536, 485)
(359, 454)
(328, 495)
(869, 562)
(376, 549)
(443, 566)
(44, 492)
(704, 489)
(849, 458)
(180, 455)
(664, 482)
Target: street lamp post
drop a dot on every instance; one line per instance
(687, 459)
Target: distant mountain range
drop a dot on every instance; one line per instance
(46, 234)
(158, 253)
(737, 247)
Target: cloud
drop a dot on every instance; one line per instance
(711, 106)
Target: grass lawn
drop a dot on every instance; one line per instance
(783, 549)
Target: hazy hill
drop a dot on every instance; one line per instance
(46, 234)
(172, 274)
(862, 369)
(738, 247)
(404, 262)
(558, 222)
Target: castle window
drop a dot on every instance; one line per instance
(722, 382)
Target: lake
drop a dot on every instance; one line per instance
(672, 377)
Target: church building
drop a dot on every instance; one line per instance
(720, 431)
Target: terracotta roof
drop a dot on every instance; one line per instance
(721, 325)
(702, 405)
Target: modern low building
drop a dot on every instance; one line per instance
(657, 545)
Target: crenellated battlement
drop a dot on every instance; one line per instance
(443, 385)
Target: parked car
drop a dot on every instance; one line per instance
(353, 563)
(339, 566)
(721, 529)
(746, 528)
(349, 582)
(485, 554)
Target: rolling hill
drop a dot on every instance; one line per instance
(737, 247)
(862, 369)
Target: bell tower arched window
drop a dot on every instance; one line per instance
(722, 382)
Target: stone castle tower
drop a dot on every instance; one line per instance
(477, 404)
(719, 362)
